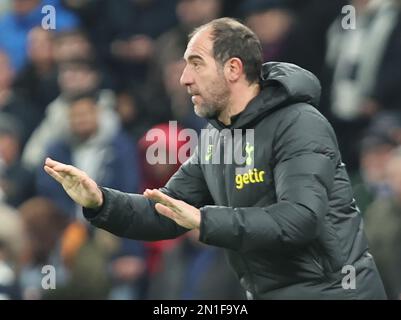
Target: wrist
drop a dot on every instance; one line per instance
(97, 202)
(197, 219)
(100, 199)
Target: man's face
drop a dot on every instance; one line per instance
(204, 77)
(76, 79)
(72, 47)
(83, 119)
(40, 46)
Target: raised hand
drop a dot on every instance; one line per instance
(78, 185)
(181, 212)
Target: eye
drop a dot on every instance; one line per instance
(196, 64)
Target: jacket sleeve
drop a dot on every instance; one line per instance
(305, 155)
(133, 216)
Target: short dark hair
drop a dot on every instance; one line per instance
(81, 63)
(62, 35)
(92, 96)
(232, 39)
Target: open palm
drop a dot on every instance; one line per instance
(78, 185)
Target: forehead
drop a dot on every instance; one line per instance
(200, 45)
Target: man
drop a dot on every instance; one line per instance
(289, 225)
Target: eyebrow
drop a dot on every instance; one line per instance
(194, 57)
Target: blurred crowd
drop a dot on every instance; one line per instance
(87, 92)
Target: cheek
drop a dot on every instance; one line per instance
(75, 123)
(205, 88)
(209, 84)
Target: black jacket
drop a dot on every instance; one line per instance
(289, 224)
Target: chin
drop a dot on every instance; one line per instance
(198, 111)
(203, 112)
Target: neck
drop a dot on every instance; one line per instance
(238, 101)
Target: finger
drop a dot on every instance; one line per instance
(164, 199)
(161, 197)
(146, 193)
(67, 169)
(165, 211)
(61, 167)
(153, 195)
(51, 163)
(53, 174)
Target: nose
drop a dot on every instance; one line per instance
(186, 77)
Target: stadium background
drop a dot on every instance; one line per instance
(87, 92)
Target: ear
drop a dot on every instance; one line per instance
(233, 69)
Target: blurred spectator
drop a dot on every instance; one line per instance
(109, 157)
(37, 81)
(87, 277)
(383, 229)
(134, 112)
(387, 123)
(16, 182)
(44, 224)
(74, 237)
(291, 30)
(24, 16)
(190, 14)
(76, 45)
(307, 39)
(124, 34)
(12, 245)
(156, 176)
(101, 265)
(192, 270)
(13, 104)
(70, 45)
(271, 21)
(366, 67)
(127, 268)
(371, 184)
(193, 13)
(85, 266)
(376, 147)
(76, 77)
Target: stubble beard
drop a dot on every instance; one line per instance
(212, 107)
